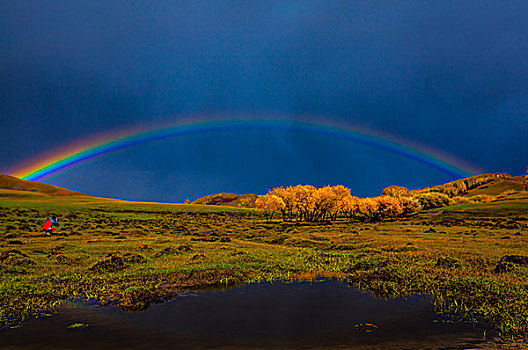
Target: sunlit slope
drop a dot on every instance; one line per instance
(13, 186)
(16, 192)
(486, 184)
(498, 186)
(500, 194)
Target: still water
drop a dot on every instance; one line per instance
(302, 315)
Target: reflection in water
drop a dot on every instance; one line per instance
(318, 314)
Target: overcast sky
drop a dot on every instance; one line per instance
(449, 75)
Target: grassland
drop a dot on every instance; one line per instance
(133, 254)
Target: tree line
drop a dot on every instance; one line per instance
(308, 203)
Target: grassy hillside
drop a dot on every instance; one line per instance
(13, 186)
(485, 184)
(498, 186)
(226, 199)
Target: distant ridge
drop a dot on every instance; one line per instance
(484, 184)
(16, 187)
(226, 199)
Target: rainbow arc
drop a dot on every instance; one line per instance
(74, 154)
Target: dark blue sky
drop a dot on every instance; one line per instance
(451, 75)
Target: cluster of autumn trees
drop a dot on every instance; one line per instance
(308, 203)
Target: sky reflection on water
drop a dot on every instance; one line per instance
(320, 314)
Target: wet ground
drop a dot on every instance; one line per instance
(280, 315)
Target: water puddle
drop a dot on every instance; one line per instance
(310, 314)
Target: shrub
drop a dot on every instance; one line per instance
(460, 200)
(507, 193)
(482, 198)
(430, 200)
(450, 189)
(410, 205)
(245, 202)
(448, 262)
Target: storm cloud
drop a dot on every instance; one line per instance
(451, 75)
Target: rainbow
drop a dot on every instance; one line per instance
(90, 148)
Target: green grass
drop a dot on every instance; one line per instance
(135, 253)
(77, 326)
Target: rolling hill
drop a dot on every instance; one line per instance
(11, 186)
(486, 184)
(225, 199)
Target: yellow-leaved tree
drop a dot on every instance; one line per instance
(269, 204)
(304, 201)
(410, 205)
(430, 200)
(245, 202)
(288, 197)
(349, 205)
(396, 191)
(324, 203)
(367, 209)
(388, 207)
(340, 194)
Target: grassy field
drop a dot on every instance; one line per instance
(470, 257)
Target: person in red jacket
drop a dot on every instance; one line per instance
(48, 226)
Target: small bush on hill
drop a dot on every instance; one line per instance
(460, 200)
(507, 193)
(430, 200)
(482, 198)
(245, 202)
(451, 189)
(410, 205)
